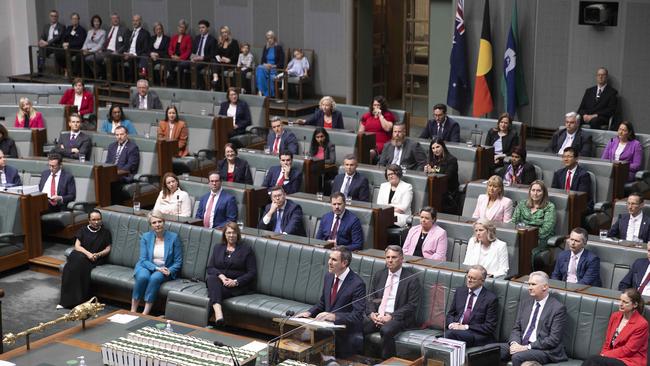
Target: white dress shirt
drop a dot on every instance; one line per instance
(633, 227)
(266, 219)
(134, 39)
(533, 335)
(341, 277)
(476, 293)
(567, 142)
(48, 183)
(646, 290)
(232, 112)
(390, 303)
(619, 150)
(50, 33)
(214, 206)
(111, 43)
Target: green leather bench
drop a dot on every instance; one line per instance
(12, 235)
(484, 125)
(345, 141)
(24, 140)
(10, 93)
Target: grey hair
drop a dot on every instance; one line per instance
(395, 248)
(325, 99)
(573, 115)
(479, 268)
(345, 253)
(583, 233)
(184, 23)
(143, 81)
(542, 276)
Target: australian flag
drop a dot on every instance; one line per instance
(458, 90)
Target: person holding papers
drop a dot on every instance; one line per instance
(341, 302)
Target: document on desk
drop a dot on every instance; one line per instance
(122, 318)
(317, 323)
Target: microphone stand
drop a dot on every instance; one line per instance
(275, 355)
(178, 207)
(231, 351)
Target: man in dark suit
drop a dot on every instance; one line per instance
(599, 103)
(539, 326)
(51, 36)
(393, 300)
(570, 136)
(279, 140)
(76, 143)
(473, 314)
(638, 276)
(351, 183)
(573, 177)
(217, 207)
(284, 175)
(341, 303)
(340, 227)
(282, 215)
(577, 264)
(125, 154)
(145, 98)
(634, 225)
(138, 45)
(204, 47)
(8, 174)
(58, 184)
(402, 151)
(441, 126)
(116, 43)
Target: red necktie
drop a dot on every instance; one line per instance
(567, 184)
(280, 181)
(335, 289)
(276, 144)
(335, 228)
(108, 39)
(644, 284)
(208, 212)
(53, 189)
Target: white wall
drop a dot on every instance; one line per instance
(17, 31)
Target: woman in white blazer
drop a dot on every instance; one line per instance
(397, 193)
(485, 249)
(493, 206)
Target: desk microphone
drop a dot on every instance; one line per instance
(358, 122)
(178, 207)
(13, 87)
(233, 356)
(275, 354)
(22, 176)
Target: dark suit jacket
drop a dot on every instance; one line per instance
(359, 187)
(242, 115)
(291, 219)
(347, 312)
(8, 147)
(634, 277)
(77, 40)
(141, 43)
(162, 48)
(528, 174)
(605, 106)
(588, 272)
(56, 37)
(406, 299)
(619, 229)
(582, 143)
(122, 41)
(153, 101)
(318, 119)
(241, 265)
(242, 172)
(484, 316)
(350, 233)
(225, 209)
(581, 182)
(292, 185)
(209, 49)
(12, 176)
(279, 56)
(66, 187)
(450, 130)
(82, 142)
(449, 166)
(550, 327)
(288, 141)
(412, 155)
(508, 142)
(129, 158)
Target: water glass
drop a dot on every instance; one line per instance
(319, 196)
(203, 112)
(521, 225)
(241, 225)
(136, 207)
(146, 135)
(348, 200)
(470, 143)
(267, 150)
(603, 234)
(82, 158)
(506, 182)
(290, 123)
(186, 176)
(403, 166)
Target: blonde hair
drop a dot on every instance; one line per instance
(20, 115)
(325, 99)
(489, 227)
(496, 181)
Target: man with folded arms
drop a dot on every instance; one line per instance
(282, 215)
(75, 143)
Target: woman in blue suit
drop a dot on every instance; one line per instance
(161, 257)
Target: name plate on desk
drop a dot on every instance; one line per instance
(23, 189)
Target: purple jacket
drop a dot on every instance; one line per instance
(633, 154)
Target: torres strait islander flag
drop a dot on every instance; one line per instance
(482, 95)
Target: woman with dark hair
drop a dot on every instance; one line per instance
(172, 200)
(519, 171)
(503, 138)
(7, 144)
(233, 168)
(378, 120)
(92, 245)
(321, 148)
(95, 39)
(325, 116)
(80, 97)
(272, 61)
(397, 193)
(626, 340)
(232, 269)
(427, 240)
(27, 116)
(442, 161)
(172, 128)
(537, 211)
(116, 118)
(238, 110)
(73, 38)
(161, 258)
(625, 147)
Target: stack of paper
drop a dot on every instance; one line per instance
(451, 351)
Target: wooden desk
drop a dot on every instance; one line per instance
(222, 127)
(31, 207)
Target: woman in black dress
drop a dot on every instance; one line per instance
(443, 162)
(232, 269)
(503, 138)
(519, 171)
(92, 245)
(7, 144)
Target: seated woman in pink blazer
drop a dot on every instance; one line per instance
(427, 240)
(493, 206)
(625, 147)
(27, 116)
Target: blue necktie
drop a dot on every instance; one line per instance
(531, 327)
(278, 222)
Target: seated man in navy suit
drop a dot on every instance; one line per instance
(340, 227)
(473, 314)
(282, 215)
(351, 183)
(279, 140)
(393, 300)
(58, 184)
(8, 175)
(634, 225)
(76, 143)
(124, 153)
(217, 207)
(441, 126)
(638, 276)
(341, 303)
(284, 175)
(573, 177)
(577, 264)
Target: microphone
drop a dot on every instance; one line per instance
(235, 361)
(304, 147)
(13, 87)
(214, 106)
(275, 352)
(22, 177)
(178, 207)
(358, 121)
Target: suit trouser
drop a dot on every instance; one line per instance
(602, 361)
(388, 332)
(520, 357)
(147, 283)
(471, 338)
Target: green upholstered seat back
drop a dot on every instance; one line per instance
(147, 147)
(197, 248)
(22, 137)
(10, 218)
(345, 141)
(198, 189)
(125, 232)
(53, 118)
